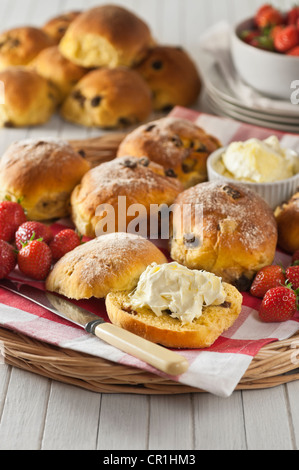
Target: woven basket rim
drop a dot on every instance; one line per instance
(272, 366)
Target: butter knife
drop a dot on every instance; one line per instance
(157, 356)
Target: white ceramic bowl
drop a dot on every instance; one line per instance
(270, 73)
(273, 193)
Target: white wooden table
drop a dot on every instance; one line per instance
(39, 413)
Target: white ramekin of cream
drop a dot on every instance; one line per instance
(262, 165)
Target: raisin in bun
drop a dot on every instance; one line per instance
(19, 46)
(232, 231)
(108, 98)
(42, 174)
(173, 143)
(287, 218)
(172, 76)
(112, 262)
(51, 65)
(107, 35)
(30, 99)
(137, 180)
(57, 27)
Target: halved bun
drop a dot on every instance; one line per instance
(171, 332)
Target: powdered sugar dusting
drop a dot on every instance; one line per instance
(39, 151)
(249, 215)
(47, 140)
(160, 140)
(105, 262)
(131, 173)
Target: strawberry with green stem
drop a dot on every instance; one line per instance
(35, 259)
(279, 304)
(26, 230)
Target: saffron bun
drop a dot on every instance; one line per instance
(53, 66)
(139, 180)
(19, 46)
(172, 76)
(287, 218)
(112, 262)
(173, 143)
(57, 26)
(42, 174)
(232, 232)
(170, 332)
(30, 99)
(108, 98)
(108, 35)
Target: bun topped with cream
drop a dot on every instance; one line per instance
(176, 307)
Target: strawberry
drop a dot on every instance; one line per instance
(267, 16)
(295, 258)
(292, 275)
(248, 36)
(274, 31)
(278, 305)
(35, 260)
(12, 215)
(294, 51)
(64, 242)
(267, 278)
(8, 259)
(286, 39)
(293, 15)
(26, 231)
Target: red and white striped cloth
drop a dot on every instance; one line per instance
(216, 370)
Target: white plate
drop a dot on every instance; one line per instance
(257, 122)
(251, 113)
(217, 86)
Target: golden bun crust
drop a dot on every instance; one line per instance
(42, 174)
(172, 76)
(235, 237)
(30, 99)
(53, 66)
(57, 27)
(287, 218)
(174, 143)
(112, 262)
(170, 332)
(107, 35)
(138, 180)
(108, 98)
(19, 46)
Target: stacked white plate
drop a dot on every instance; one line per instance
(223, 101)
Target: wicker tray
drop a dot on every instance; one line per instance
(100, 149)
(273, 366)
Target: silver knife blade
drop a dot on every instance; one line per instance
(161, 358)
(57, 305)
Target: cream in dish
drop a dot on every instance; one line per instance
(258, 161)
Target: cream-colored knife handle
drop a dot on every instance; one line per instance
(157, 356)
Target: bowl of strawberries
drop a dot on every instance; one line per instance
(265, 51)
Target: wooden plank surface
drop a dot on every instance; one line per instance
(38, 413)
